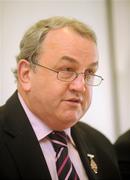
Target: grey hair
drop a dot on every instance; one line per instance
(35, 35)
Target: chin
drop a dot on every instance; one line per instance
(71, 120)
(76, 116)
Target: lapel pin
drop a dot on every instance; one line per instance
(93, 164)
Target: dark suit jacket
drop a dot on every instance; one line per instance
(122, 147)
(21, 156)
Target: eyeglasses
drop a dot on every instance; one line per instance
(68, 76)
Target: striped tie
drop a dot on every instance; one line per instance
(65, 168)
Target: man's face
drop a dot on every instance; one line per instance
(61, 104)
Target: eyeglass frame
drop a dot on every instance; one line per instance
(76, 74)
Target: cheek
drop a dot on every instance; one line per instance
(90, 92)
(48, 91)
(88, 97)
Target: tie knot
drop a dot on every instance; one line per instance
(58, 139)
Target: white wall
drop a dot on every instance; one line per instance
(17, 16)
(1, 54)
(121, 30)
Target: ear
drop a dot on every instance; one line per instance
(24, 71)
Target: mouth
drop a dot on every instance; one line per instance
(75, 101)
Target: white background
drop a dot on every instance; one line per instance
(109, 111)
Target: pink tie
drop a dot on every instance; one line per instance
(65, 168)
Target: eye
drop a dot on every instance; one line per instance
(67, 69)
(90, 71)
(88, 74)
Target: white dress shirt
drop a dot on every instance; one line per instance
(42, 131)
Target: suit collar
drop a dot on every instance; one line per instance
(22, 143)
(84, 150)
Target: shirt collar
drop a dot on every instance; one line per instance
(40, 128)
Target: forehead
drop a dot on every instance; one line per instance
(65, 42)
(63, 34)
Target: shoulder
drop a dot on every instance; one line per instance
(90, 140)
(124, 138)
(92, 133)
(8, 109)
(122, 144)
(89, 136)
(122, 147)
(2, 114)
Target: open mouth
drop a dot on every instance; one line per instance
(74, 101)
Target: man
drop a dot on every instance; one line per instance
(122, 146)
(56, 70)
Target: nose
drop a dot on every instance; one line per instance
(78, 84)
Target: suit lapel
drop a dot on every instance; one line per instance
(22, 143)
(84, 149)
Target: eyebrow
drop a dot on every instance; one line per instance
(70, 59)
(94, 64)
